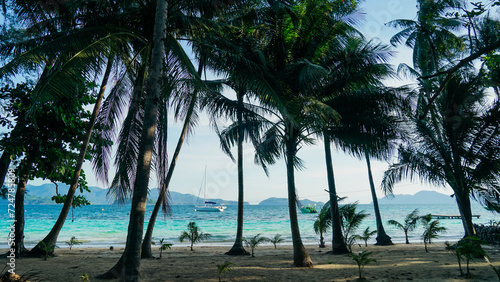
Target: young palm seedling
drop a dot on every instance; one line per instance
(254, 242)
(410, 223)
(276, 240)
(162, 245)
(47, 249)
(366, 235)
(223, 268)
(194, 235)
(431, 230)
(73, 242)
(362, 259)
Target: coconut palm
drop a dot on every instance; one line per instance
(431, 229)
(299, 53)
(254, 242)
(276, 240)
(411, 221)
(322, 223)
(454, 145)
(194, 235)
(351, 220)
(430, 33)
(367, 233)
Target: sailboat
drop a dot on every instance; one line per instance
(208, 206)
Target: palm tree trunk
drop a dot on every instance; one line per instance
(338, 243)
(146, 243)
(238, 248)
(19, 216)
(382, 238)
(300, 256)
(51, 238)
(463, 202)
(132, 253)
(4, 166)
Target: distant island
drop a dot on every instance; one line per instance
(422, 197)
(42, 194)
(284, 202)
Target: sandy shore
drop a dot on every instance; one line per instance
(394, 263)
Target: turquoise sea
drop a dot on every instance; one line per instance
(106, 225)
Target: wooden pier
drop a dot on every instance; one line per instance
(442, 216)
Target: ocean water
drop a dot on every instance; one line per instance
(106, 225)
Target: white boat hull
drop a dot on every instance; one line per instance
(210, 209)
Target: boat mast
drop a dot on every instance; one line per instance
(205, 187)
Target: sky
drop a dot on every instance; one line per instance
(351, 176)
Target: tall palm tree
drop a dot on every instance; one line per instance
(87, 49)
(430, 33)
(368, 128)
(456, 144)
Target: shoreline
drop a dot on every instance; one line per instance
(394, 263)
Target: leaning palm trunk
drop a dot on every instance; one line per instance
(51, 239)
(338, 243)
(19, 216)
(463, 202)
(238, 248)
(382, 238)
(146, 243)
(132, 253)
(300, 256)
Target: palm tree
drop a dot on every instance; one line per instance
(276, 240)
(321, 224)
(131, 255)
(194, 235)
(454, 145)
(429, 34)
(88, 49)
(351, 220)
(411, 221)
(254, 242)
(431, 229)
(366, 235)
(299, 53)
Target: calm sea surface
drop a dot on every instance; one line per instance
(106, 225)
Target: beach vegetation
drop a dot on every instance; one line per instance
(194, 234)
(254, 242)
(431, 229)
(362, 259)
(223, 268)
(84, 277)
(48, 250)
(163, 246)
(409, 224)
(454, 121)
(366, 235)
(73, 241)
(469, 248)
(322, 224)
(277, 239)
(351, 220)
